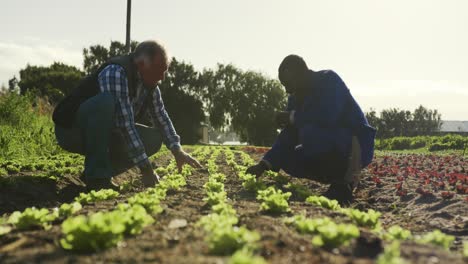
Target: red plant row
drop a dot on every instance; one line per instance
(425, 174)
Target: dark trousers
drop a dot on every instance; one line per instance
(329, 167)
(94, 135)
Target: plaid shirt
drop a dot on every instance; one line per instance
(114, 80)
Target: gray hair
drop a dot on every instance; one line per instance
(147, 49)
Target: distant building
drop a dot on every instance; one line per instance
(454, 127)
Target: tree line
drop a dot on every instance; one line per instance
(395, 122)
(224, 97)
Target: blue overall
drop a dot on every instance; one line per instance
(318, 143)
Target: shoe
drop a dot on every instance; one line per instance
(99, 184)
(343, 193)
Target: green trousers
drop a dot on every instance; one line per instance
(94, 135)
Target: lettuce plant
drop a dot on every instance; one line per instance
(67, 209)
(391, 255)
(150, 202)
(103, 230)
(437, 238)
(324, 202)
(331, 235)
(244, 256)
(397, 233)
(96, 196)
(32, 217)
(369, 219)
(273, 200)
(96, 232)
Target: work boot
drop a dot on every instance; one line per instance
(100, 183)
(342, 192)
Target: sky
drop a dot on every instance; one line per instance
(394, 53)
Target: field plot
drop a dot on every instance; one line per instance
(408, 207)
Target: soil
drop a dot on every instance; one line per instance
(162, 242)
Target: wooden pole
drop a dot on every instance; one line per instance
(129, 11)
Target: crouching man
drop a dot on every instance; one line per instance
(98, 119)
(325, 135)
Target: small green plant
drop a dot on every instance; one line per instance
(299, 190)
(437, 238)
(244, 256)
(223, 208)
(4, 230)
(223, 237)
(32, 217)
(213, 186)
(397, 233)
(219, 177)
(306, 225)
(96, 232)
(96, 196)
(214, 198)
(225, 241)
(324, 202)
(252, 184)
(273, 200)
(161, 171)
(465, 249)
(391, 255)
(103, 230)
(134, 217)
(331, 235)
(67, 209)
(173, 182)
(369, 219)
(148, 201)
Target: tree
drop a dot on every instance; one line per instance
(96, 55)
(13, 85)
(395, 122)
(426, 121)
(54, 81)
(243, 101)
(180, 94)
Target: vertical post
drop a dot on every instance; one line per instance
(129, 11)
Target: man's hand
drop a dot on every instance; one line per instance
(257, 169)
(183, 158)
(282, 118)
(149, 178)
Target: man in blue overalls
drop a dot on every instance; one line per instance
(325, 135)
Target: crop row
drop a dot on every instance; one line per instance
(326, 232)
(224, 237)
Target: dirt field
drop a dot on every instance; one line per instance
(165, 242)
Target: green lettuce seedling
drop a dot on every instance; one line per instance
(244, 256)
(273, 200)
(96, 196)
(369, 219)
(332, 235)
(32, 217)
(397, 233)
(103, 230)
(437, 238)
(148, 201)
(391, 255)
(67, 209)
(324, 202)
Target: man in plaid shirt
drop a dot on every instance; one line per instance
(104, 128)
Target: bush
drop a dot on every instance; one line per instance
(23, 131)
(433, 143)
